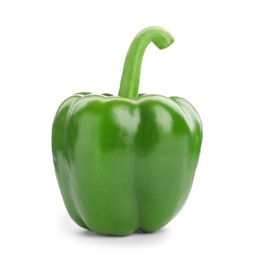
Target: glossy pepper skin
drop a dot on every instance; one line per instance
(127, 162)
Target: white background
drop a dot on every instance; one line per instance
(52, 49)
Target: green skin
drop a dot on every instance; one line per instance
(126, 163)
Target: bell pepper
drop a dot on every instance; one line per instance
(126, 163)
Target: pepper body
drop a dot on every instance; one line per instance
(125, 164)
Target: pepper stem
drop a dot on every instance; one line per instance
(132, 68)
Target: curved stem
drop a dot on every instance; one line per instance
(132, 68)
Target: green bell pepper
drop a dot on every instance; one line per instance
(127, 162)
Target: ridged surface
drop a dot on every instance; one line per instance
(125, 164)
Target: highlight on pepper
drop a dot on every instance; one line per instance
(126, 163)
